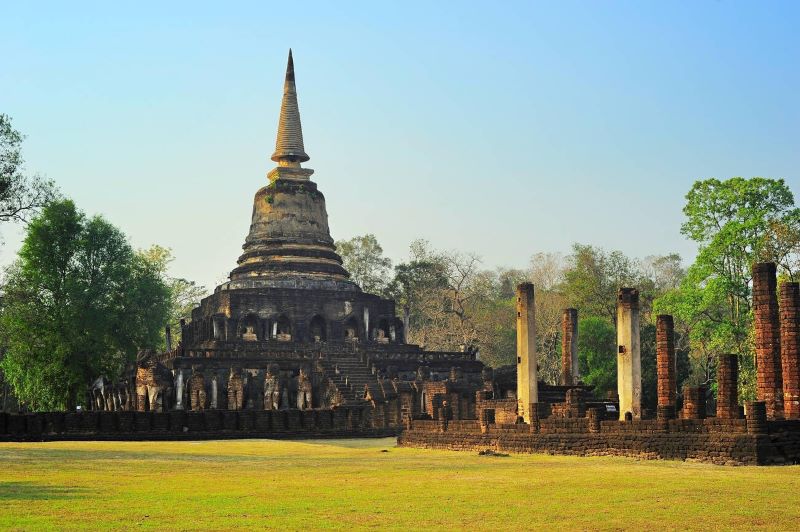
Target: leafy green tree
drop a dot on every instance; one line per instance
(593, 277)
(20, 195)
(736, 223)
(184, 295)
(597, 354)
(77, 304)
(363, 258)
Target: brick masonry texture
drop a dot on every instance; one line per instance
(790, 348)
(769, 386)
(665, 360)
(569, 327)
(183, 425)
(727, 382)
(724, 442)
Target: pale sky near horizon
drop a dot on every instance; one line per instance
(501, 128)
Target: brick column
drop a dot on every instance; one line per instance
(756, 415)
(569, 347)
(694, 402)
(527, 370)
(790, 348)
(629, 361)
(663, 414)
(665, 360)
(727, 391)
(595, 415)
(769, 385)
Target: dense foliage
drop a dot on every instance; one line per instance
(736, 223)
(78, 303)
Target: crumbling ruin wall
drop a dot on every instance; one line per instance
(724, 442)
(344, 421)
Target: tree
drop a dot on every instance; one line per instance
(362, 256)
(184, 295)
(593, 277)
(78, 303)
(547, 275)
(736, 223)
(597, 354)
(21, 196)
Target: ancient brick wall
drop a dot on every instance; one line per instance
(504, 411)
(724, 442)
(339, 422)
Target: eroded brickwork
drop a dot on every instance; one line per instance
(727, 381)
(769, 386)
(694, 402)
(665, 360)
(719, 441)
(790, 348)
(569, 346)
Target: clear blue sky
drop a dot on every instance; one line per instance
(499, 128)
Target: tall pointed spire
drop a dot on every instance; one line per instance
(289, 244)
(289, 150)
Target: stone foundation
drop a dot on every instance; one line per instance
(352, 422)
(717, 441)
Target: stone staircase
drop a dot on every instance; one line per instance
(351, 376)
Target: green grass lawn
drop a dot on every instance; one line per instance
(352, 483)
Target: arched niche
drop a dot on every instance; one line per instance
(283, 329)
(383, 332)
(351, 329)
(317, 330)
(248, 328)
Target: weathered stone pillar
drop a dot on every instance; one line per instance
(756, 415)
(214, 391)
(594, 415)
(179, 389)
(535, 418)
(168, 337)
(629, 361)
(694, 402)
(569, 347)
(527, 370)
(769, 385)
(665, 361)
(790, 348)
(727, 391)
(665, 412)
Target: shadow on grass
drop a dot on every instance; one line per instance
(32, 491)
(353, 443)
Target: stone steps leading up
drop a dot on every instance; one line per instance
(351, 376)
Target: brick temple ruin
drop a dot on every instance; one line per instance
(766, 431)
(289, 346)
